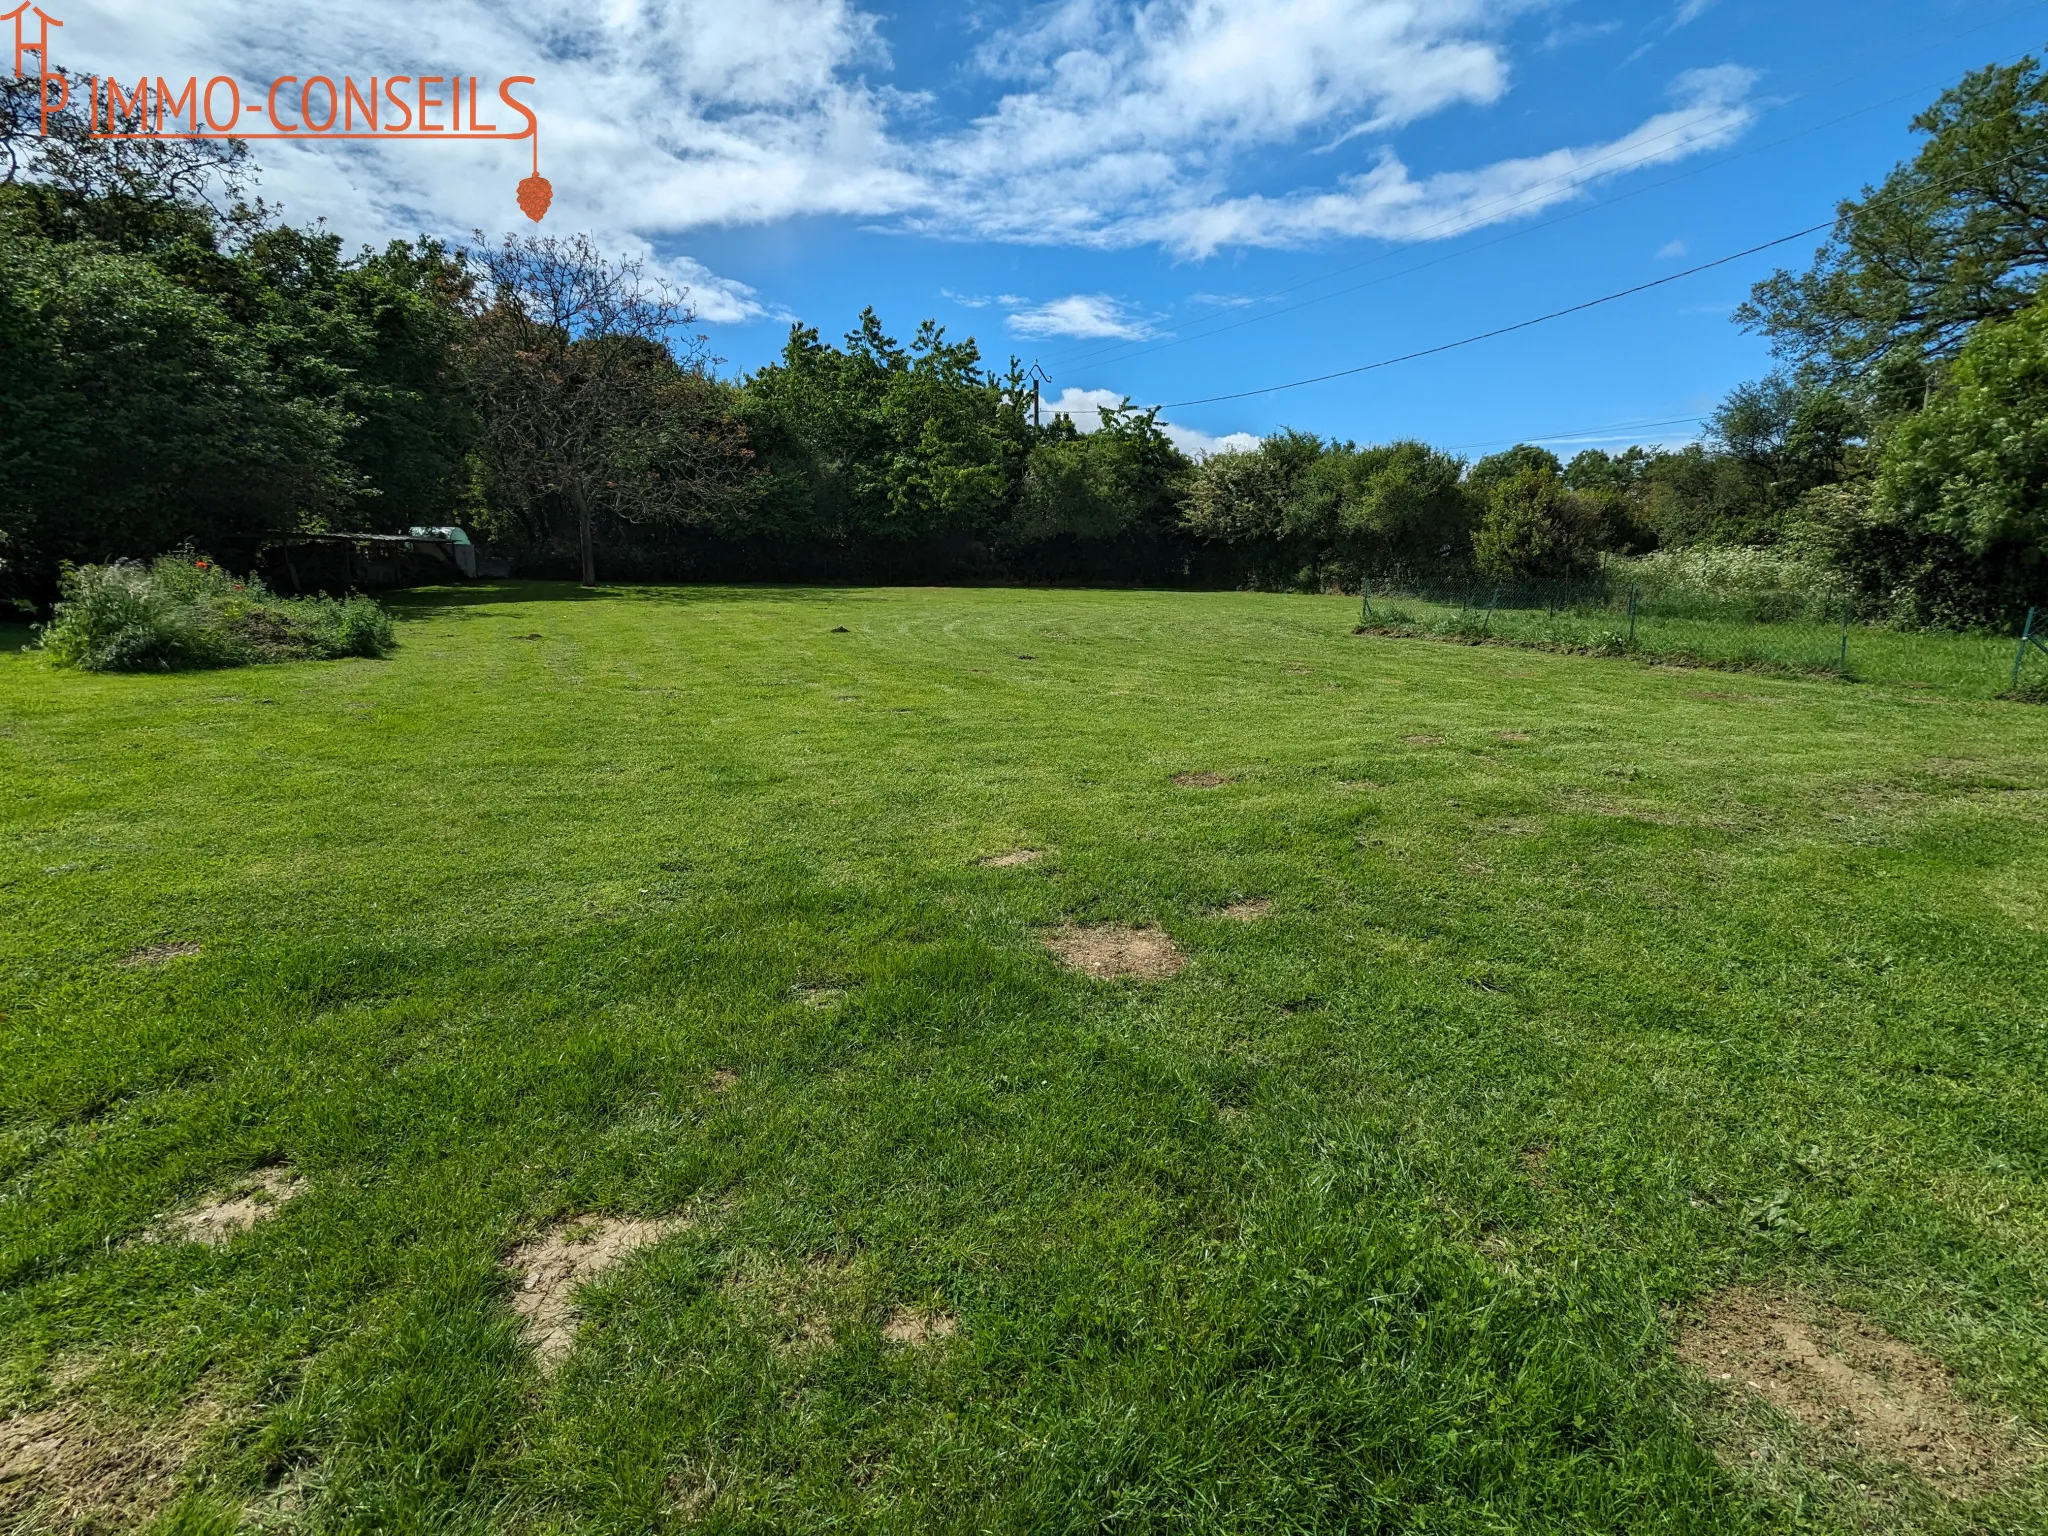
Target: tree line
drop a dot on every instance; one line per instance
(180, 367)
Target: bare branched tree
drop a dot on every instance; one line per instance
(592, 388)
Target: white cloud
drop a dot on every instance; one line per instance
(1125, 122)
(1387, 203)
(1122, 105)
(1671, 250)
(1083, 316)
(1084, 407)
(656, 118)
(1690, 11)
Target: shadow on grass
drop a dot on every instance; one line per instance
(435, 602)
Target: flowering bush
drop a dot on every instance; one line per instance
(184, 611)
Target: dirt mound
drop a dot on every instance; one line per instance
(1011, 859)
(909, 1327)
(161, 954)
(1846, 1379)
(224, 1215)
(1246, 911)
(566, 1257)
(65, 1469)
(1109, 950)
(1202, 780)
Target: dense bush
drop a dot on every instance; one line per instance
(183, 611)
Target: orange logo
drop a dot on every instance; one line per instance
(315, 107)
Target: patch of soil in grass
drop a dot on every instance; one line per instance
(1249, 911)
(225, 1215)
(913, 1328)
(1202, 780)
(65, 1468)
(569, 1255)
(1535, 1160)
(818, 995)
(1011, 859)
(1847, 1381)
(1108, 951)
(161, 954)
(723, 1079)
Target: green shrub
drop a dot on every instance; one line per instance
(184, 611)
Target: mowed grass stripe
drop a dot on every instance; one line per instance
(1585, 990)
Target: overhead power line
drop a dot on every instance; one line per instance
(1529, 197)
(1506, 330)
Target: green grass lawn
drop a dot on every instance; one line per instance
(1587, 991)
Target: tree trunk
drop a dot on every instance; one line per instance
(582, 506)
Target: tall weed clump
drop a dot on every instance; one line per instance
(1729, 582)
(183, 611)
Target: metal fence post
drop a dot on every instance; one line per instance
(1631, 618)
(1365, 597)
(1487, 623)
(1842, 662)
(2020, 655)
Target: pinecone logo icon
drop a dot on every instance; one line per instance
(535, 194)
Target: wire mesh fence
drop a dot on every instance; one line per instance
(1788, 630)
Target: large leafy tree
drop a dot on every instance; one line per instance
(875, 441)
(1956, 531)
(135, 415)
(594, 394)
(1953, 237)
(175, 366)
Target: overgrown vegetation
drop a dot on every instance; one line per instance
(182, 611)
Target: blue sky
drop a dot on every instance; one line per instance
(1168, 200)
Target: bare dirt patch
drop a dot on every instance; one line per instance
(568, 1256)
(1202, 780)
(1535, 1160)
(65, 1468)
(223, 1216)
(1108, 951)
(1011, 859)
(819, 995)
(1249, 911)
(161, 954)
(1847, 1381)
(913, 1328)
(721, 1080)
